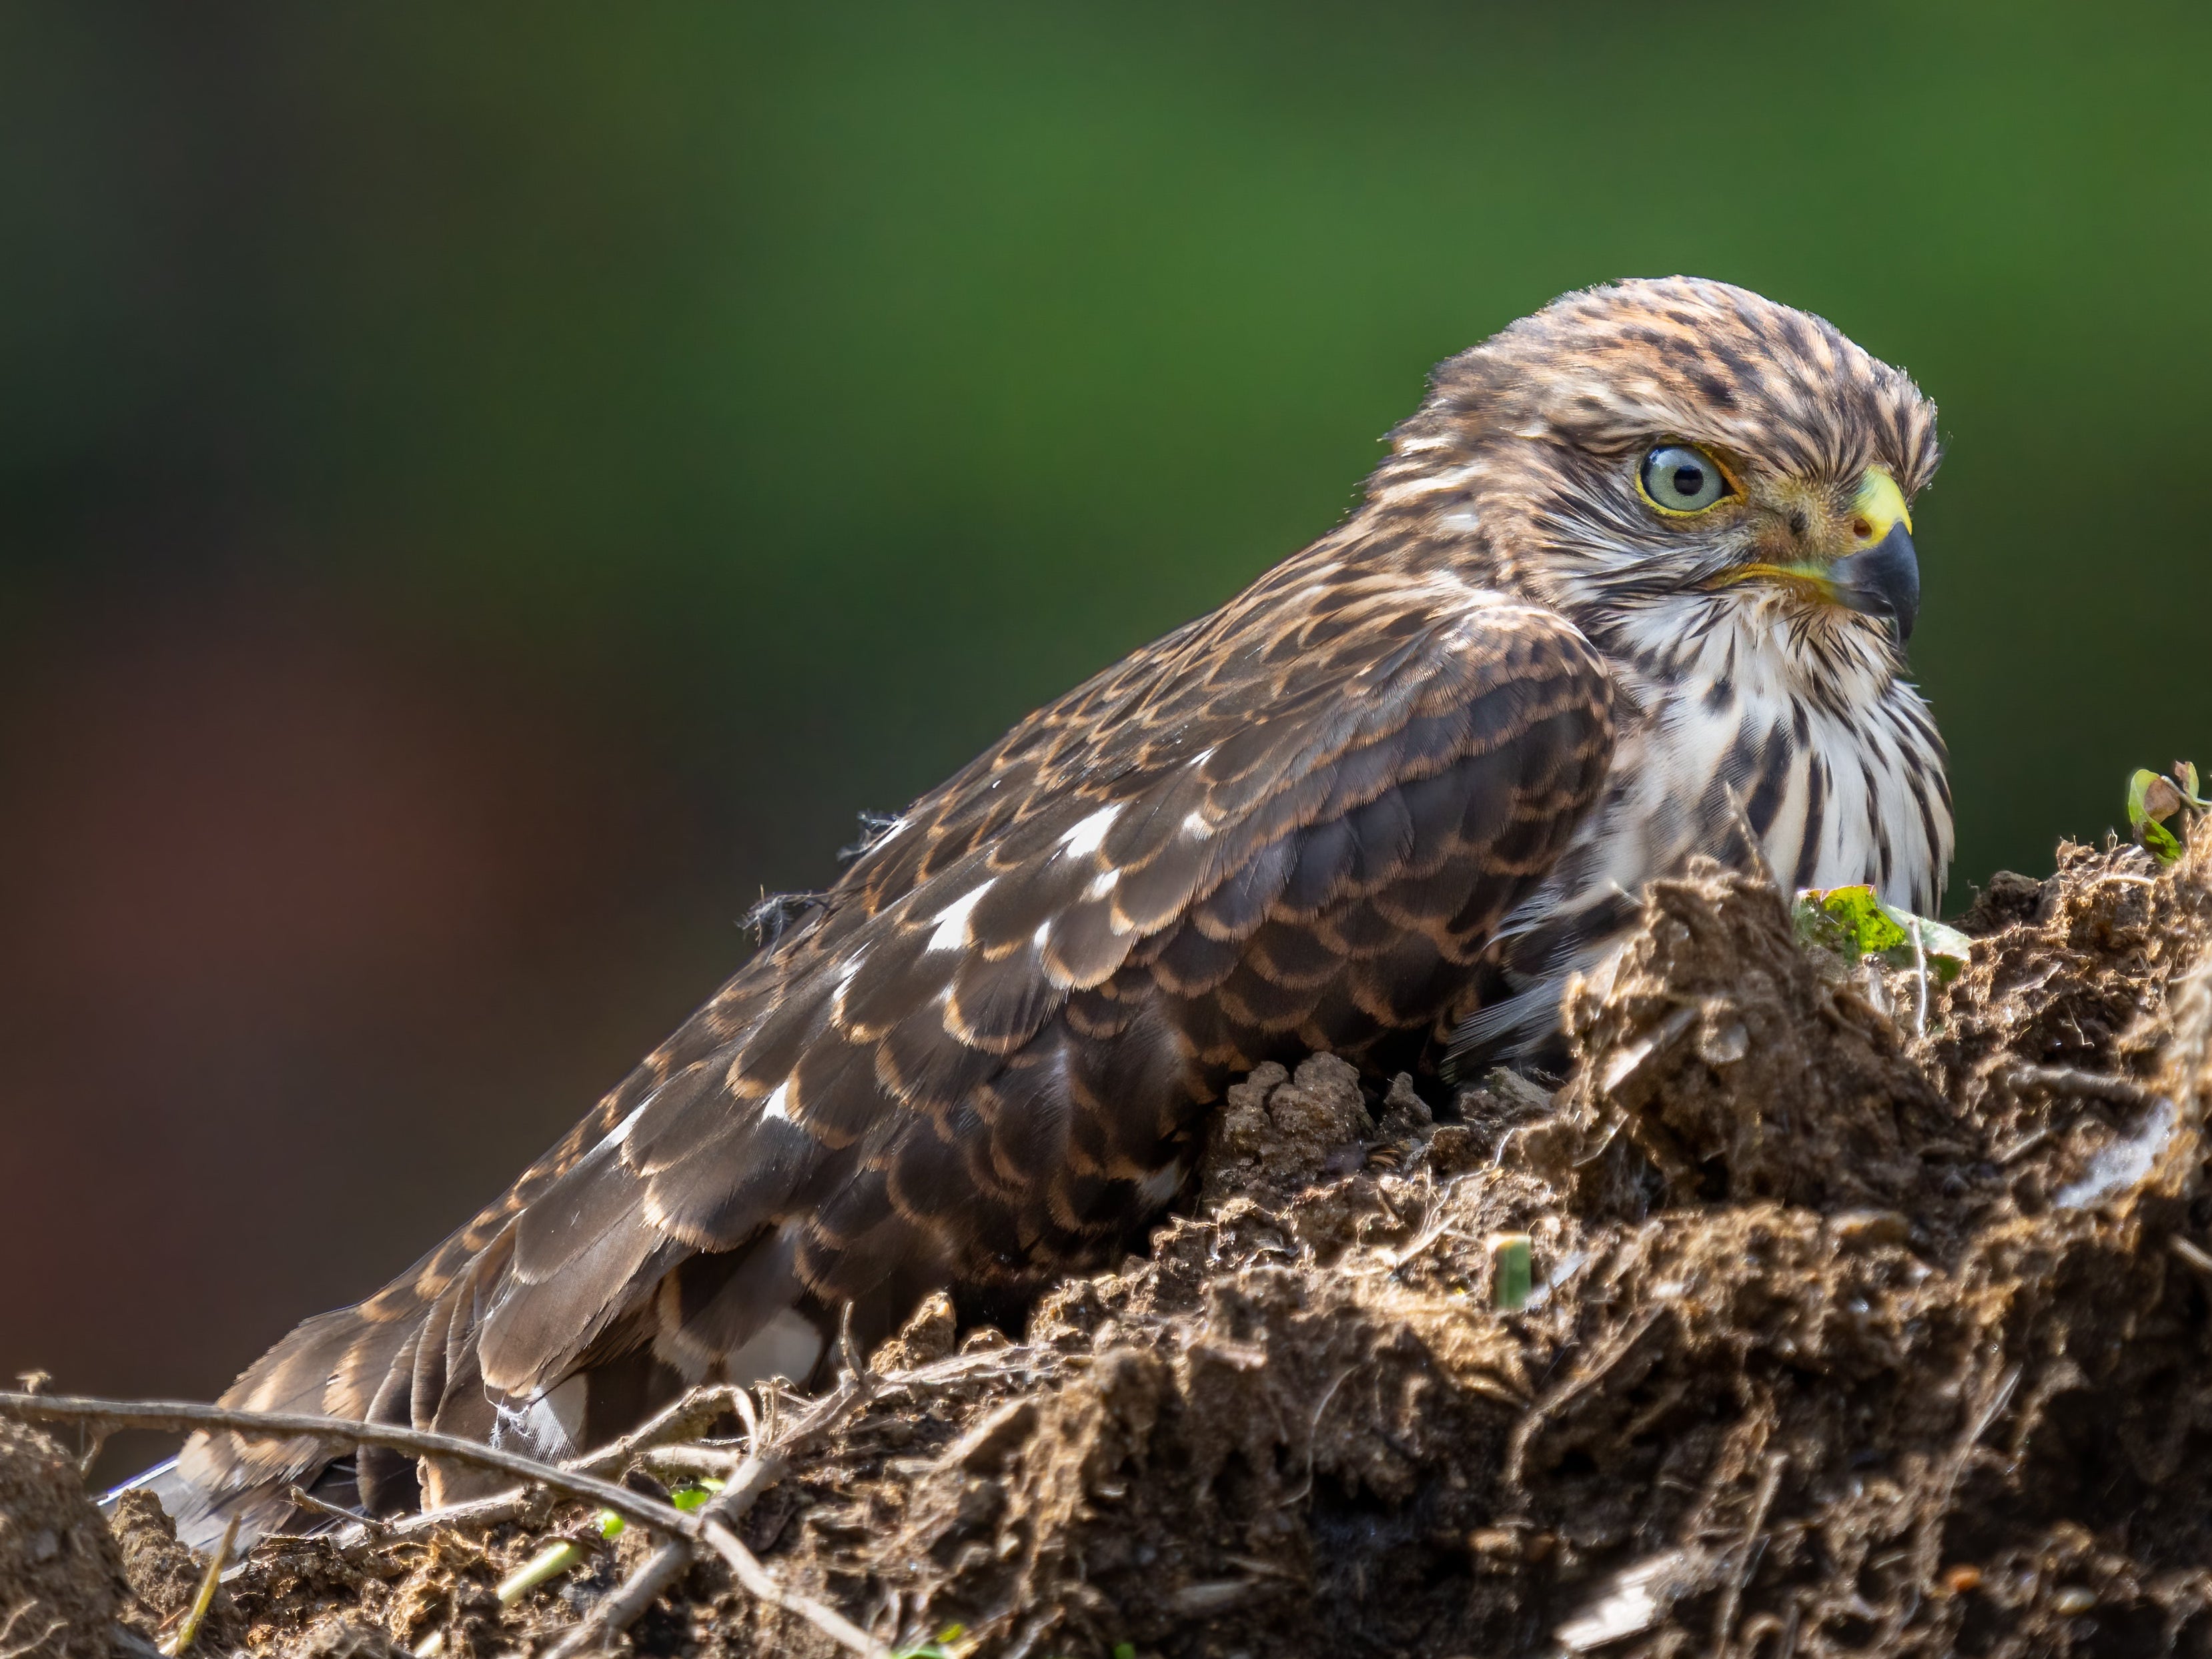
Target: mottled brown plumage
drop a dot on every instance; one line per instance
(1406, 780)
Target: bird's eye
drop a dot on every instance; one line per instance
(1679, 479)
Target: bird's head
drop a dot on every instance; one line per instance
(1654, 454)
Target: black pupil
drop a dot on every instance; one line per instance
(1689, 480)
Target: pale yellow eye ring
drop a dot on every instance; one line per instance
(1683, 480)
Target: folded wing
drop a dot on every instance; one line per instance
(986, 1053)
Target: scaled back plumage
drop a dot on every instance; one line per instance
(1393, 790)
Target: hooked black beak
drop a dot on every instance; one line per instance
(1882, 582)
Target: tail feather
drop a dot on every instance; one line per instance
(410, 1360)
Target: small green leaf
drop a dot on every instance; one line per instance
(553, 1560)
(549, 1563)
(2151, 800)
(1854, 922)
(1510, 1270)
(1947, 949)
(2184, 774)
(945, 1647)
(1850, 920)
(2138, 798)
(1125, 1650)
(2161, 841)
(690, 1495)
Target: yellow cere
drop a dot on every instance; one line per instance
(1877, 508)
(1880, 505)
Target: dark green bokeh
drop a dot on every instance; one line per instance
(861, 381)
(827, 387)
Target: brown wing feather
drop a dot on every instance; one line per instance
(987, 1052)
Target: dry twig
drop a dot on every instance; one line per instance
(715, 1461)
(685, 1419)
(492, 1511)
(1770, 1481)
(22, 1648)
(1586, 1377)
(186, 1415)
(763, 1467)
(691, 1529)
(2193, 1254)
(2070, 1080)
(763, 1584)
(1920, 976)
(1928, 1543)
(301, 1498)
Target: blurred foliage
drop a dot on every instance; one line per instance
(846, 380)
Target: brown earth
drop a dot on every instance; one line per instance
(1845, 1340)
(61, 1575)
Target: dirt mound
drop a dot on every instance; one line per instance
(61, 1576)
(1854, 1328)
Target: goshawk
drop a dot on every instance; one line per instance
(1632, 584)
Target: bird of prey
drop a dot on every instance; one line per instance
(1633, 584)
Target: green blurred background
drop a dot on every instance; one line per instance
(488, 491)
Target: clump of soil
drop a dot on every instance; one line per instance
(164, 1575)
(1854, 1329)
(61, 1576)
